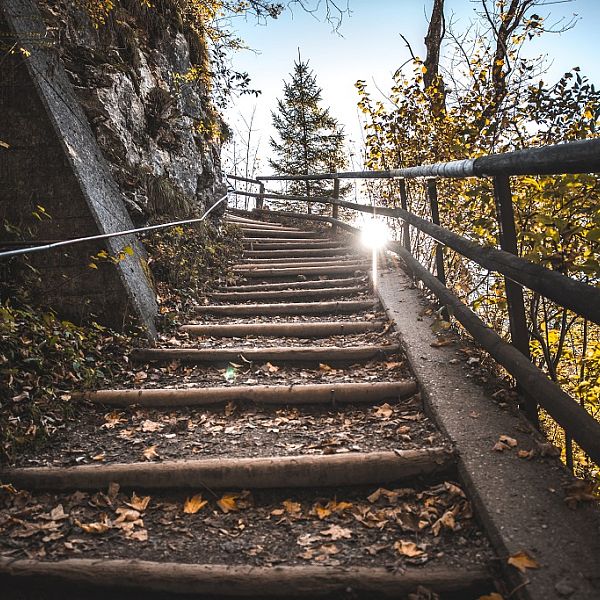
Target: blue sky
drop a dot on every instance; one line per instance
(372, 49)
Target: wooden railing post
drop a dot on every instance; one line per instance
(335, 207)
(519, 334)
(261, 198)
(435, 217)
(405, 224)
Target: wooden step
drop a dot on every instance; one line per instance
(282, 395)
(331, 470)
(271, 234)
(236, 219)
(207, 580)
(278, 244)
(290, 295)
(295, 330)
(283, 272)
(294, 308)
(290, 253)
(263, 226)
(300, 262)
(297, 285)
(279, 355)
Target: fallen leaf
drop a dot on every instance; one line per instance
(408, 549)
(228, 503)
(271, 368)
(526, 454)
(492, 596)
(580, 491)
(126, 515)
(97, 527)
(500, 447)
(337, 533)
(138, 502)
(149, 426)
(522, 561)
(141, 535)
(511, 442)
(325, 368)
(293, 509)
(140, 376)
(392, 364)
(192, 505)
(446, 520)
(112, 419)
(329, 549)
(385, 411)
(150, 453)
(99, 457)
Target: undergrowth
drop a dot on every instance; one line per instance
(43, 358)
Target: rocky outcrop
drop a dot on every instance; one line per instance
(142, 79)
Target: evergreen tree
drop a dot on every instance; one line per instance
(310, 139)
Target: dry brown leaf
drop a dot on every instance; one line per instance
(407, 548)
(293, 509)
(99, 457)
(321, 511)
(337, 533)
(150, 453)
(308, 554)
(112, 419)
(580, 491)
(325, 368)
(138, 502)
(385, 411)
(140, 376)
(141, 535)
(392, 364)
(511, 442)
(97, 527)
(446, 520)
(228, 503)
(492, 596)
(271, 368)
(192, 505)
(500, 447)
(126, 515)
(149, 426)
(329, 549)
(523, 561)
(526, 454)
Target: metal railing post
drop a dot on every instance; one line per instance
(405, 224)
(519, 334)
(335, 207)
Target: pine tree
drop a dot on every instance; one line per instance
(310, 139)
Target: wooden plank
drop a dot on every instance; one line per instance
(289, 295)
(302, 394)
(297, 285)
(289, 253)
(295, 308)
(283, 272)
(277, 244)
(296, 330)
(328, 470)
(247, 581)
(279, 355)
(280, 233)
(298, 263)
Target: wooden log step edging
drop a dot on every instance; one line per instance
(293, 395)
(295, 330)
(240, 219)
(298, 294)
(279, 355)
(280, 233)
(291, 253)
(245, 581)
(297, 285)
(266, 244)
(327, 470)
(309, 241)
(301, 263)
(291, 308)
(306, 271)
(263, 226)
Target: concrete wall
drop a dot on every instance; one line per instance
(53, 160)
